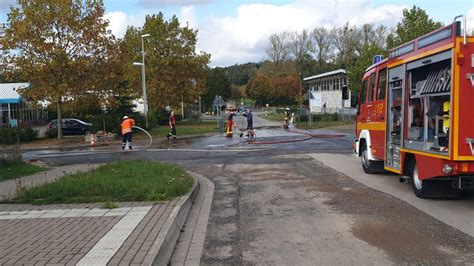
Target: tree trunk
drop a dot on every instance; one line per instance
(59, 121)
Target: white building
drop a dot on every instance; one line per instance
(325, 92)
(14, 110)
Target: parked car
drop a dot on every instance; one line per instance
(71, 126)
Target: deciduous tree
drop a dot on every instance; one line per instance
(278, 49)
(415, 22)
(217, 84)
(59, 47)
(322, 42)
(174, 70)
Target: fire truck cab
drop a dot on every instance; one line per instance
(415, 113)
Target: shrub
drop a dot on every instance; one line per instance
(13, 135)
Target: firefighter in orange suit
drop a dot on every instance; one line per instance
(127, 125)
(230, 124)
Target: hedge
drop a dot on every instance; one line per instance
(12, 135)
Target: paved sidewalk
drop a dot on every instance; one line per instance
(137, 233)
(81, 235)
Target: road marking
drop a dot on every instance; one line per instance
(109, 244)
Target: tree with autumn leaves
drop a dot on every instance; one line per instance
(64, 50)
(61, 48)
(175, 71)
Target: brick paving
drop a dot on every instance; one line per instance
(190, 244)
(51, 235)
(51, 240)
(134, 249)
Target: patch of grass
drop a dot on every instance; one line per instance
(321, 123)
(113, 182)
(110, 205)
(274, 117)
(11, 170)
(187, 128)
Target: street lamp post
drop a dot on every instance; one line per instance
(142, 64)
(300, 94)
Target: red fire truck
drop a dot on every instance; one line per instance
(416, 113)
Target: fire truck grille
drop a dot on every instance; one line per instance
(464, 182)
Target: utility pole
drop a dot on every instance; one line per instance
(142, 64)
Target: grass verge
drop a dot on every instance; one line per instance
(113, 182)
(323, 124)
(304, 125)
(274, 117)
(11, 170)
(187, 128)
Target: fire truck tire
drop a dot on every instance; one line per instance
(420, 187)
(369, 166)
(429, 189)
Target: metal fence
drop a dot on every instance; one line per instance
(346, 113)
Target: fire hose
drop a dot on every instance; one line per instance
(308, 137)
(146, 132)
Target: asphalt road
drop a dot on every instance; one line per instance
(277, 204)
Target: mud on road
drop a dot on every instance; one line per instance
(291, 209)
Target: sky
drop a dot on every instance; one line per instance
(237, 31)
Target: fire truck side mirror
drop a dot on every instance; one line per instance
(345, 92)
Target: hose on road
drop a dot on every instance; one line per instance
(308, 137)
(146, 132)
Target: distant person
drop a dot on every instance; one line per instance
(249, 116)
(230, 123)
(286, 123)
(127, 125)
(172, 122)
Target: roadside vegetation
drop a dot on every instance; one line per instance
(11, 170)
(113, 182)
(187, 128)
(319, 120)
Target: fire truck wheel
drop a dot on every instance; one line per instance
(430, 189)
(422, 189)
(368, 165)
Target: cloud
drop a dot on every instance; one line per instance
(188, 15)
(470, 21)
(243, 38)
(119, 21)
(154, 3)
(5, 4)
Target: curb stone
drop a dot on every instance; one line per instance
(162, 249)
(78, 146)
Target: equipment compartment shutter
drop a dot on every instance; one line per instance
(430, 60)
